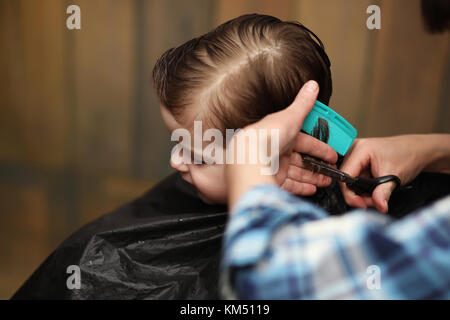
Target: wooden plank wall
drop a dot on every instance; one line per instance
(80, 130)
(409, 68)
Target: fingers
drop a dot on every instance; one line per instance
(368, 201)
(307, 144)
(297, 172)
(381, 196)
(307, 176)
(303, 103)
(355, 163)
(290, 120)
(299, 188)
(295, 187)
(352, 198)
(356, 160)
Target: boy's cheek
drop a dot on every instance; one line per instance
(210, 184)
(205, 199)
(220, 198)
(214, 192)
(186, 177)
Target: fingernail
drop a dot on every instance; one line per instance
(311, 86)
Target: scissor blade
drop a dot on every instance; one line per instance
(323, 168)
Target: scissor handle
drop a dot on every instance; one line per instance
(366, 185)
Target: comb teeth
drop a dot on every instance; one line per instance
(321, 130)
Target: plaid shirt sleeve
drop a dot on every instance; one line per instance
(278, 246)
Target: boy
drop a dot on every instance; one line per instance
(233, 76)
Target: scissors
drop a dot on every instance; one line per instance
(360, 185)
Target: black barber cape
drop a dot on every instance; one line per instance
(167, 244)
(164, 245)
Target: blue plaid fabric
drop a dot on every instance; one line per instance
(278, 246)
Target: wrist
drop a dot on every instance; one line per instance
(243, 177)
(243, 174)
(436, 152)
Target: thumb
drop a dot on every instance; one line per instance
(355, 162)
(381, 195)
(302, 105)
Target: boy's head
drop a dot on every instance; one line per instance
(233, 76)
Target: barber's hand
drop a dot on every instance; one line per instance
(294, 177)
(376, 157)
(292, 174)
(288, 121)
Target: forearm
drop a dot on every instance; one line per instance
(241, 173)
(242, 177)
(274, 239)
(436, 152)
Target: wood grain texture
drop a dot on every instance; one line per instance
(104, 81)
(409, 70)
(33, 115)
(229, 9)
(341, 25)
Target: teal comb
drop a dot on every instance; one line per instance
(341, 133)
